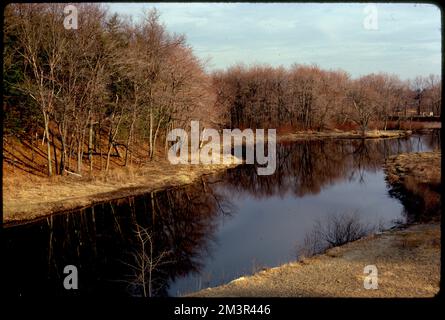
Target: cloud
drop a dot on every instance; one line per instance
(407, 43)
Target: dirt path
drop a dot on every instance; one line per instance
(408, 263)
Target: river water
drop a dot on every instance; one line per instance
(206, 234)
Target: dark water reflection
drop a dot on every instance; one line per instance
(211, 232)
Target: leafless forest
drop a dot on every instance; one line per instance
(114, 88)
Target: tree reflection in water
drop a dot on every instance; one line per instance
(101, 240)
(307, 167)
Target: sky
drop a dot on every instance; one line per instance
(401, 39)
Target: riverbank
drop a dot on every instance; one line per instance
(408, 264)
(337, 134)
(418, 168)
(415, 178)
(408, 260)
(27, 197)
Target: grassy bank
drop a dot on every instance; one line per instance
(408, 264)
(29, 194)
(415, 178)
(28, 197)
(419, 168)
(337, 134)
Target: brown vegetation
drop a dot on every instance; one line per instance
(28, 197)
(109, 88)
(309, 98)
(408, 263)
(415, 178)
(94, 104)
(337, 134)
(113, 87)
(420, 167)
(337, 230)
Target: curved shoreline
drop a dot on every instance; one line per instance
(407, 260)
(406, 255)
(43, 198)
(17, 213)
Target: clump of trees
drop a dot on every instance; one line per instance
(307, 97)
(109, 85)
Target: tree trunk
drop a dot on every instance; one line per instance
(79, 158)
(154, 138)
(110, 147)
(90, 146)
(62, 154)
(55, 153)
(150, 153)
(48, 145)
(129, 139)
(100, 146)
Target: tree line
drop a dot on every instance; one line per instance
(307, 97)
(114, 87)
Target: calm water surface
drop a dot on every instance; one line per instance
(211, 232)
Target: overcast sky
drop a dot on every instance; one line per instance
(407, 41)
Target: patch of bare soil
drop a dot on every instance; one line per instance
(407, 261)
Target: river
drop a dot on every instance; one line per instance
(205, 234)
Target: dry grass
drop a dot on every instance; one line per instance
(29, 194)
(414, 125)
(28, 197)
(408, 263)
(337, 134)
(414, 169)
(416, 177)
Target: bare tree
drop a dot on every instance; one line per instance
(363, 103)
(116, 83)
(42, 48)
(146, 261)
(336, 230)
